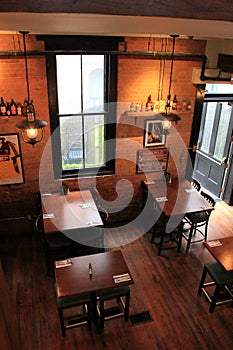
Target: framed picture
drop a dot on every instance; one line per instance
(153, 133)
(11, 167)
(150, 160)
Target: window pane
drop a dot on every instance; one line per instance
(71, 142)
(94, 140)
(208, 126)
(219, 88)
(82, 149)
(222, 131)
(93, 83)
(69, 84)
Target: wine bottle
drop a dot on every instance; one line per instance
(8, 109)
(19, 108)
(30, 111)
(174, 103)
(2, 107)
(13, 107)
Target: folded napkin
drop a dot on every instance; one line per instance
(63, 263)
(215, 243)
(121, 278)
(48, 216)
(161, 199)
(86, 205)
(94, 223)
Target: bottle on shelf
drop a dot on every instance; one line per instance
(19, 108)
(184, 105)
(30, 111)
(8, 109)
(149, 104)
(2, 107)
(13, 107)
(24, 107)
(174, 103)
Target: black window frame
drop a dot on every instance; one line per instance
(55, 45)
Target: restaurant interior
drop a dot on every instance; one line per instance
(116, 174)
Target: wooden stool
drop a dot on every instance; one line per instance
(71, 302)
(117, 293)
(221, 279)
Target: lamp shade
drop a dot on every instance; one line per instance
(171, 117)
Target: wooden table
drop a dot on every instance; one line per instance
(74, 280)
(181, 197)
(73, 211)
(223, 252)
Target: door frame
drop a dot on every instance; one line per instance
(202, 97)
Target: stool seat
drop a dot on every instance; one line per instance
(221, 279)
(113, 292)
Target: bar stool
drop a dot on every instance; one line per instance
(221, 279)
(122, 297)
(72, 302)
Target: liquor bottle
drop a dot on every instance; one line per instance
(30, 111)
(2, 107)
(13, 107)
(168, 105)
(19, 108)
(184, 105)
(189, 106)
(174, 103)
(8, 109)
(24, 107)
(149, 104)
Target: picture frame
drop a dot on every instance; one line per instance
(11, 165)
(152, 160)
(153, 133)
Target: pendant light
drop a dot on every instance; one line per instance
(32, 128)
(170, 117)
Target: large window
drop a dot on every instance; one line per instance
(81, 110)
(82, 102)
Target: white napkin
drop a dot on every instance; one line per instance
(121, 278)
(215, 243)
(63, 263)
(86, 205)
(161, 199)
(48, 216)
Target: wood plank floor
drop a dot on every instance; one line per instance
(166, 286)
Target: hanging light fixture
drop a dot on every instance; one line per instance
(170, 117)
(32, 128)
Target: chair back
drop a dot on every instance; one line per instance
(208, 198)
(196, 184)
(102, 211)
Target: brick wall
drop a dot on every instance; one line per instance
(137, 78)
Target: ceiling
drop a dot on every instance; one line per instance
(111, 25)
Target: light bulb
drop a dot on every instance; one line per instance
(166, 124)
(32, 133)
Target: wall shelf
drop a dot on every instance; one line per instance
(149, 114)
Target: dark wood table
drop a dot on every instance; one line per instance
(75, 280)
(73, 211)
(222, 251)
(181, 197)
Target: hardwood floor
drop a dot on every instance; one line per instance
(165, 285)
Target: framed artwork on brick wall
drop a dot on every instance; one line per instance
(11, 166)
(153, 133)
(153, 159)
